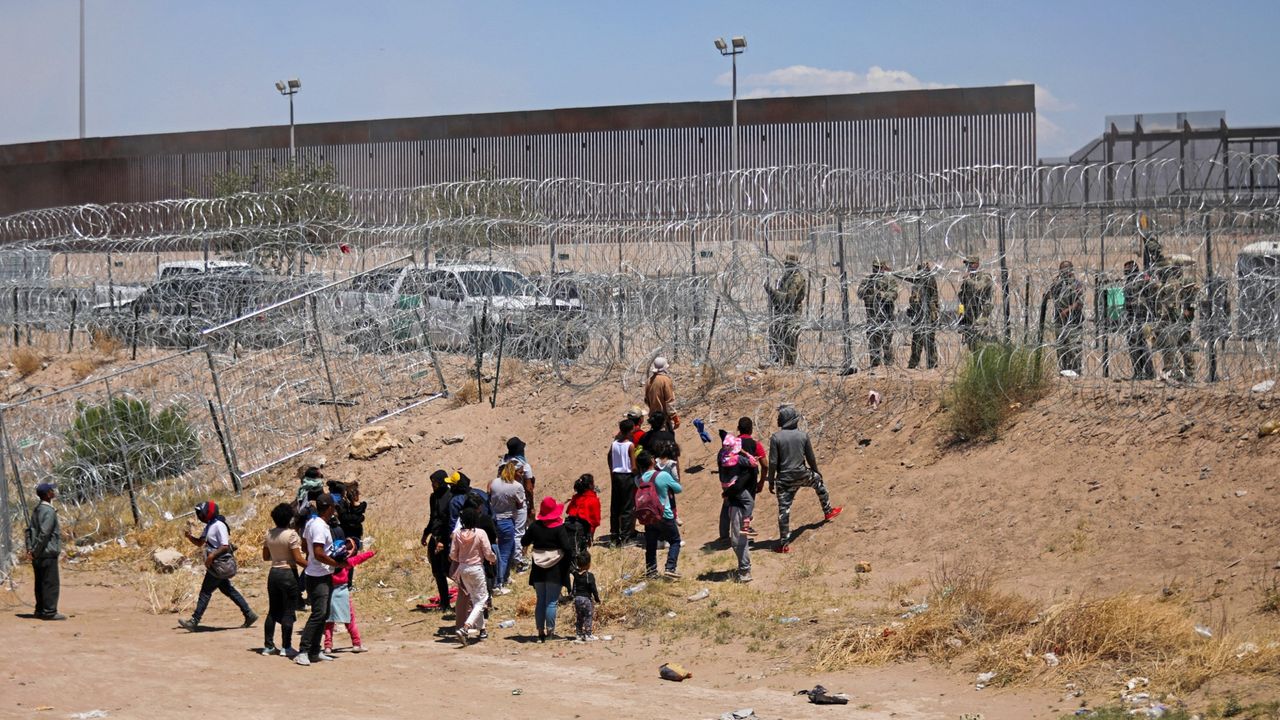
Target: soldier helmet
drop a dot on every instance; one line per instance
(1065, 265)
(879, 263)
(1181, 260)
(972, 260)
(791, 260)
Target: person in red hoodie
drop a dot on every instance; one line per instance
(585, 506)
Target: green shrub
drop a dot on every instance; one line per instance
(107, 444)
(994, 381)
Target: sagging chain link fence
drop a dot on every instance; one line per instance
(318, 309)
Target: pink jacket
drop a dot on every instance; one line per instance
(341, 575)
(470, 547)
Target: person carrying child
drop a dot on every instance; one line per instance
(585, 598)
(738, 472)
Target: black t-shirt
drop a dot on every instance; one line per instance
(650, 441)
(584, 585)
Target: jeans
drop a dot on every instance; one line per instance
(318, 591)
(622, 500)
(47, 585)
(207, 587)
(665, 530)
(739, 507)
(544, 613)
(506, 548)
(477, 589)
(282, 608)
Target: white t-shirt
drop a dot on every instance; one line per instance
(620, 456)
(215, 536)
(317, 532)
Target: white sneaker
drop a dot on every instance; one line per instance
(269, 651)
(301, 660)
(591, 638)
(325, 658)
(504, 590)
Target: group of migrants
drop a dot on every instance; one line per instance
(1155, 308)
(479, 535)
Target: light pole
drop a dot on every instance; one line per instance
(290, 89)
(81, 69)
(736, 46)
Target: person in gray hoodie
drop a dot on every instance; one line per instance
(792, 467)
(44, 545)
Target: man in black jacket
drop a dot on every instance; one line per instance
(436, 535)
(44, 545)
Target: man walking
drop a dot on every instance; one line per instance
(923, 309)
(792, 468)
(976, 291)
(786, 303)
(216, 540)
(1066, 295)
(879, 293)
(318, 579)
(44, 545)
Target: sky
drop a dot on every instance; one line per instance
(177, 65)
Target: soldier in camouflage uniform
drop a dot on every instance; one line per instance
(1066, 296)
(879, 293)
(1175, 313)
(786, 303)
(1139, 310)
(976, 291)
(923, 309)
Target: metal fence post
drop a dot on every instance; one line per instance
(230, 457)
(845, 330)
(324, 360)
(6, 512)
(1004, 276)
(431, 349)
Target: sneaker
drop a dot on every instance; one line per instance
(327, 650)
(504, 590)
(833, 513)
(250, 619)
(590, 638)
(269, 651)
(744, 577)
(290, 653)
(671, 575)
(359, 649)
(189, 624)
(484, 634)
(55, 616)
(579, 640)
(542, 637)
(323, 657)
(782, 549)
(463, 636)
(749, 531)
(301, 660)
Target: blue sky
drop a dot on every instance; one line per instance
(171, 65)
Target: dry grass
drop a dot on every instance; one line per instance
(466, 394)
(985, 629)
(82, 368)
(170, 593)
(104, 342)
(26, 361)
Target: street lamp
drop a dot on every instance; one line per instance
(290, 88)
(735, 47)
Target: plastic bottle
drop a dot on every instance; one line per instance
(507, 624)
(788, 620)
(635, 589)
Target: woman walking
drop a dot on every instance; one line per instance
(506, 497)
(552, 557)
(283, 549)
(216, 540)
(469, 550)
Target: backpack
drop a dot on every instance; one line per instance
(648, 505)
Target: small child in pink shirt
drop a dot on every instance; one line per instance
(341, 609)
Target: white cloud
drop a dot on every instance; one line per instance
(806, 80)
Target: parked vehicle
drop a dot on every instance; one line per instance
(454, 305)
(1258, 277)
(174, 311)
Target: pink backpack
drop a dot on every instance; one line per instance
(648, 504)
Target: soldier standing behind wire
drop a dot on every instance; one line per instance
(1176, 311)
(786, 303)
(923, 309)
(1139, 309)
(976, 291)
(879, 293)
(1067, 297)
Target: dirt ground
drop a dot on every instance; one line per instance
(1154, 490)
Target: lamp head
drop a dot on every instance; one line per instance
(739, 42)
(720, 45)
(295, 83)
(280, 85)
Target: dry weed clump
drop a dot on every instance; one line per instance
(26, 361)
(82, 368)
(104, 342)
(170, 593)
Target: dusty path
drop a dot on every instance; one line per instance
(114, 656)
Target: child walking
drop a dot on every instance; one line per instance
(341, 609)
(585, 597)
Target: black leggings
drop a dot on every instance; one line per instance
(440, 570)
